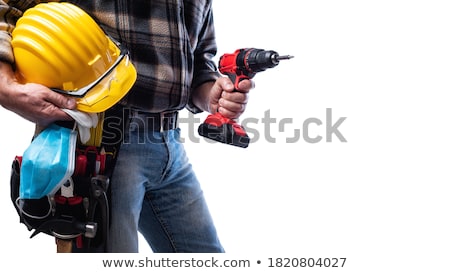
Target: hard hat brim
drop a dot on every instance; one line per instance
(110, 89)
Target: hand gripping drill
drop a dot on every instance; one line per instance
(242, 64)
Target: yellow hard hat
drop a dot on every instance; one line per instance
(60, 46)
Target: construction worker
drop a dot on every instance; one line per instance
(154, 189)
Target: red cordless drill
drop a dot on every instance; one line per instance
(242, 64)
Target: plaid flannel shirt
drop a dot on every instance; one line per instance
(171, 43)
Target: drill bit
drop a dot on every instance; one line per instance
(275, 58)
(285, 57)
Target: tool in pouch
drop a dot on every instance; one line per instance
(75, 207)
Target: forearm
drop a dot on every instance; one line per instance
(7, 77)
(8, 18)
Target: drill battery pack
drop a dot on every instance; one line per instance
(224, 130)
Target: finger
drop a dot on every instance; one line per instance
(51, 105)
(246, 85)
(225, 84)
(46, 114)
(222, 84)
(61, 101)
(50, 112)
(232, 106)
(228, 113)
(236, 96)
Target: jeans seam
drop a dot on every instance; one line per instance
(162, 223)
(169, 157)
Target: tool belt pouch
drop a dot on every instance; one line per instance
(77, 211)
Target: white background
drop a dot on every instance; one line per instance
(381, 199)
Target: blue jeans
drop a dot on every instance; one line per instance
(155, 191)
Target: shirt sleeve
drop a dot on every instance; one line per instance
(205, 69)
(7, 21)
(9, 14)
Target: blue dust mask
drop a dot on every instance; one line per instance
(48, 162)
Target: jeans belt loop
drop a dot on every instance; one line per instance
(168, 120)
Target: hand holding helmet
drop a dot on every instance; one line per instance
(60, 46)
(34, 102)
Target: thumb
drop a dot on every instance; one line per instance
(62, 101)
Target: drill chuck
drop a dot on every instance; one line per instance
(253, 60)
(258, 60)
